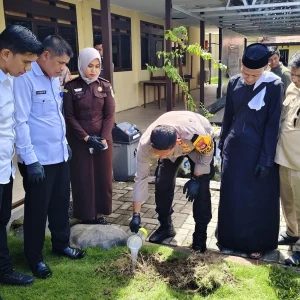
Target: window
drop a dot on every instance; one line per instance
(44, 18)
(152, 41)
(121, 39)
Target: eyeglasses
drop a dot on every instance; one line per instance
(295, 75)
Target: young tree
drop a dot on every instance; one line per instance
(179, 36)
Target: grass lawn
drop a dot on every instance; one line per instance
(102, 275)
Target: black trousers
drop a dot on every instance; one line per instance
(49, 198)
(5, 213)
(164, 194)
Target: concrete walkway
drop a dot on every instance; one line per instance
(182, 218)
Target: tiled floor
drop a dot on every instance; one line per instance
(182, 217)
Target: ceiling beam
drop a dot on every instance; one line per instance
(247, 21)
(273, 17)
(251, 13)
(209, 9)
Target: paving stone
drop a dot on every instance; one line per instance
(182, 231)
(120, 220)
(150, 221)
(117, 202)
(126, 205)
(119, 191)
(119, 185)
(128, 188)
(272, 256)
(115, 207)
(177, 208)
(122, 212)
(117, 196)
(188, 226)
(178, 221)
(149, 205)
(114, 215)
(211, 231)
(150, 213)
(129, 194)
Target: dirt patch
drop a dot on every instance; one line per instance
(196, 273)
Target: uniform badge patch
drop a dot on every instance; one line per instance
(99, 89)
(204, 144)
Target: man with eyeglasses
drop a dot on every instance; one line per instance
(288, 157)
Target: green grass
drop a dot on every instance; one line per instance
(97, 277)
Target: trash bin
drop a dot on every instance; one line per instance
(125, 139)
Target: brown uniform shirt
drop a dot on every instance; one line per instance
(89, 108)
(288, 147)
(187, 124)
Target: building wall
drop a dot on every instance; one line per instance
(129, 90)
(2, 21)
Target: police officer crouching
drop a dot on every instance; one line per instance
(172, 137)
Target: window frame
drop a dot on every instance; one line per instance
(121, 26)
(30, 18)
(154, 33)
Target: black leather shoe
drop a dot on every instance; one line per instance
(285, 239)
(41, 270)
(73, 253)
(15, 278)
(162, 233)
(199, 244)
(102, 221)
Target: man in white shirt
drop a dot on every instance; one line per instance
(18, 49)
(43, 153)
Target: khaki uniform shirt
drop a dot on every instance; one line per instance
(187, 124)
(284, 73)
(288, 148)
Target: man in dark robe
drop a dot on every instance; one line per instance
(249, 197)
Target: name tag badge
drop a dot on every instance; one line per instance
(78, 90)
(40, 92)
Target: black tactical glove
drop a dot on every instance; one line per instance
(192, 188)
(35, 172)
(261, 172)
(135, 223)
(95, 142)
(69, 152)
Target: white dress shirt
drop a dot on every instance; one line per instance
(7, 123)
(40, 129)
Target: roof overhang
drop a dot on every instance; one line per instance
(248, 17)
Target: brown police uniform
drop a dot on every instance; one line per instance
(288, 157)
(187, 125)
(89, 110)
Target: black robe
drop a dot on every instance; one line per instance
(249, 208)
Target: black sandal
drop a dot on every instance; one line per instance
(255, 255)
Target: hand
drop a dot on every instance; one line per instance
(192, 189)
(261, 172)
(35, 172)
(69, 152)
(135, 223)
(95, 142)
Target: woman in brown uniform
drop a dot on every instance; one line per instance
(89, 108)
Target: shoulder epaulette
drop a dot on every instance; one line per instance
(103, 79)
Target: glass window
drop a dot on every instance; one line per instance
(125, 51)
(70, 35)
(121, 39)
(144, 52)
(44, 31)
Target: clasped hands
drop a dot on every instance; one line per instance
(99, 144)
